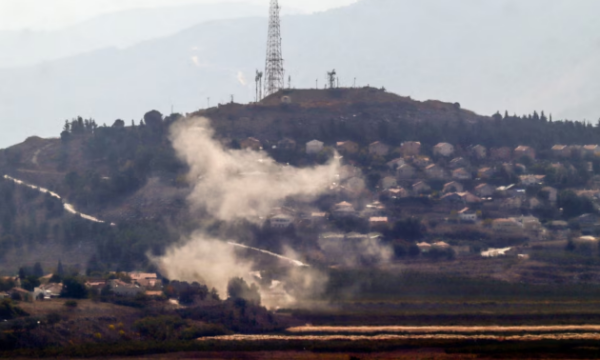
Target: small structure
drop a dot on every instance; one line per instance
(406, 172)
(124, 289)
(424, 247)
(486, 173)
(458, 162)
(453, 187)
(440, 245)
(396, 163)
(561, 151)
(443, 149)
(506, 225)
(435, 171)
(461, 174)
(552, 193)
(410, 148)
(379, 149)
(48, 291)
(397, 193)
(591, 150)
(388, 182)
(467, 215)
(378, 222)
(421, 188)
(251, 143)
(528, 180)
(524, 151)
(286, 144)
(479, 152)
(484, 190)
(347, 147)
(314, 147)
(281, 221)
(343, 209)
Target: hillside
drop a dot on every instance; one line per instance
(487, 56)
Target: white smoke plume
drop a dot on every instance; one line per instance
(241, 184)
(231, 185)
(208, 261)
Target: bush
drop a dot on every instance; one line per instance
(71, 304)
(204, 330)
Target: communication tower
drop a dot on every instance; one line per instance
(274, 73)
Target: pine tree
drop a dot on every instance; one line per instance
(37, 270)
(60, 270)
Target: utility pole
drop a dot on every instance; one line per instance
(274, 62)
(207, 102)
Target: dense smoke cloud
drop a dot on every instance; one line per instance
(241, 184)
(205, 260)
(231, 185)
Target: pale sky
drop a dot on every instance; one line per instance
(52, 14)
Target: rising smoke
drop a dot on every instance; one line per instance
(233, 185)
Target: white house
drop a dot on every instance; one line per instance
(281, 221)
(467, 215)
(314, 147)
(443, 149)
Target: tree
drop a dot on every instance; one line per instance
(37, 270)
(237, 288)
(60, 271)
(74, 289)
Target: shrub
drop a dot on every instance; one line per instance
(71, 304)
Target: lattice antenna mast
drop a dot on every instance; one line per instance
(274, 73)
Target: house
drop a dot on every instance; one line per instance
(524, 151)
(528, 180)
(397, 193)
(421, 188)
(458, 162)
(503, 153)
(561, 151)
(424, 247)
(48, 291)
(286, 144)
(531, 223)
(396, 163)
(552, 193)
(461, 174)
(434, 171)
(355, 184)
(388, 182)
(484, 190)
(422, 162)
(467, 215)
(506, 225)
(380, 222)
(591, 150)
(588, 223)
(314, 147)
(347, 147)
(406, 172)
(479, 152)
(281, 221)
(486, 173)
(410, 148)
(452, 198)
(469, 198)
(343, 209)
(251, 143)
(124, 289)
(443, 149)
(379, 149)
(440, 245)
(452, 187)
(374, 209)
(318, 218)
(147, 280)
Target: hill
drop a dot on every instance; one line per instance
(487, 56)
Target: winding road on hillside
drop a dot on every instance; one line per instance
(69, 207)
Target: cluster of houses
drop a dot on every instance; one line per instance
(464, 181)
(136, 283)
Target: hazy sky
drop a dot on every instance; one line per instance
(48, 14)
